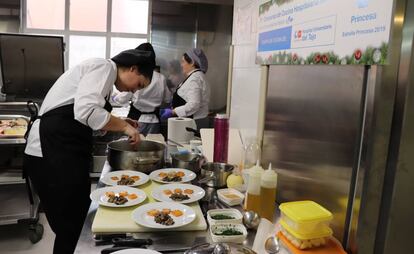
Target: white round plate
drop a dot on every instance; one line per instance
(99, 196)
(136, 251)
(141, 217)
(143, 178)
(158, 192)
(188, 175)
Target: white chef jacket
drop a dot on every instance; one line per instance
(148, 98)
(86, 86)
(196, 92)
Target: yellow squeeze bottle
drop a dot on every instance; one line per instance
(268, 193)
(253, 201)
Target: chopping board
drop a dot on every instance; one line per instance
(119, 220)
(235, 145)
(332, 247)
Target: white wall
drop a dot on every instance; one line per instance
(245, 94)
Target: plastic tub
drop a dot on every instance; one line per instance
(219, 228)
(305, 217)
(237, 216)
(305, 241)
(230, 196)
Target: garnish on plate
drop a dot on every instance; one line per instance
(119, 198)
(126, 180)
(172, 176)
(178, 194)
(163, 217)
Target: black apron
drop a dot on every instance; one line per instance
(66, 145)
(61, 177)
(177, 100)
(135, 113)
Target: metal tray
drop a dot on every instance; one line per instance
(12, 139)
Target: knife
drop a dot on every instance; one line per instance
(126, 242)
(107, 239)
(176, 244)
(113, 249)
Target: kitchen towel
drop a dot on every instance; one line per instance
(177, 129)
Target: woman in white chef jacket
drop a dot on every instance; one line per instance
(192, 96)
(59, 144)
(145, 103)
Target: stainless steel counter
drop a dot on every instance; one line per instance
(161, 240)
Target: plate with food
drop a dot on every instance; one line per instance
(125, 177)
(172, 175)
(118, 196)
(163, 215)
(179, 193)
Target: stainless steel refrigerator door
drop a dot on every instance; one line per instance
(312, 130)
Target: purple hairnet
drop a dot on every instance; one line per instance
(198, 56)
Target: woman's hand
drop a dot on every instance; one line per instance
(132, 122)
(167, 113)
(133, 134)
(118, 124)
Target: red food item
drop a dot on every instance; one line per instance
(325, 59)
(317, 58)
(358, 54)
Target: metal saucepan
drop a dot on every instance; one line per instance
(146, 156)
(215, 174)
(190, 161)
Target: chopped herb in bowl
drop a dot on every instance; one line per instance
(222, 217)
(229, 231)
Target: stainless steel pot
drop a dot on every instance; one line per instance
(190, 161)
(215, 174)
(146, 157)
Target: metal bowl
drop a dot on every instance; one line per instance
(190, 161)
(215, 174)
(145, 157)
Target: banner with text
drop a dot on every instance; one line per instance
(324, 31)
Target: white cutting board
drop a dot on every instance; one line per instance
(235, 145)
(119, 220)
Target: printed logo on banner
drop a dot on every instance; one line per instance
(324, 31)
(298, 35)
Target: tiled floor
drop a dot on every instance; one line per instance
(14, 239)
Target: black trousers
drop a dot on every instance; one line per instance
(65, 203)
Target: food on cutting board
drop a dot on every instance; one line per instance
(119, 198)
(125, 179)
(163, 216)
(172, 176)
(222, 217)
(179, 194)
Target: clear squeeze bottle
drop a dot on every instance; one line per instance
(268, 193)
(253, 201)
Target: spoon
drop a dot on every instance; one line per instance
(272, 245)
(251, 219)
(221, 248)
